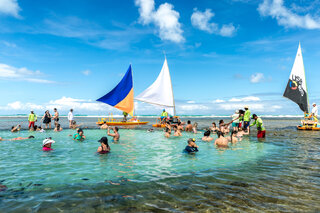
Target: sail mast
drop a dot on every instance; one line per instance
(304, 71)
(174, 104)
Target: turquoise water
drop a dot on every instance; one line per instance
(148, 172)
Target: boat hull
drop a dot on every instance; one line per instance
(159, 125)
(308, 128)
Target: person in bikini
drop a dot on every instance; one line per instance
(115, 134)
(104, 148)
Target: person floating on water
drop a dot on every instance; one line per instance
(163, 116)
(21, 138)
(16, 128)
(115, 134)
(70, 118)
(104, 148)
(192, 147)
(221, 141)
(246, 119)
(206, 136)
(261, 130)
(32, 119)
(46, 144)
(79, 135)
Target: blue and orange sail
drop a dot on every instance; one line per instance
(121, 97)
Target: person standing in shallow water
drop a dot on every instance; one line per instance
(192, 147)
(32, 119)
(70, 118)
(46, 119)
(260, 127)
(115, 134)
(104, 148)
(56, 117)
(246, 119)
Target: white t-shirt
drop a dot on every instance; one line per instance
(70, 116)
(234, 116)
(315, 110)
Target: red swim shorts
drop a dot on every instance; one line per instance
(261, 134)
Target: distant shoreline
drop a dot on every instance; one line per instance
(156, 116)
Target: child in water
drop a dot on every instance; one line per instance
(104, 148)
(47, 144)
(79, 135)
(192, 146)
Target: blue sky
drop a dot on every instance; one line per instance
(221, 54)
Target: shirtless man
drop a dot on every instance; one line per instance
(189, 127)
(177, 132)
(206, 136)
(221, 141)
(16, 128)
(104, 125)
(56, 116)
(115, 134)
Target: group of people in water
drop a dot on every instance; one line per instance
(237, 128)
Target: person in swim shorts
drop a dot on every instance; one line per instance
(56, 117)
(246, 119)
(260, 127)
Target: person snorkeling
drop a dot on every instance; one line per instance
(192, 147)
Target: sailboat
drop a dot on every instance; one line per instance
(121, 97)
(296, 91)
(160, 93)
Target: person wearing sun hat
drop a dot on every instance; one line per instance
(46, 143)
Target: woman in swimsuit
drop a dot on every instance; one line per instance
(104, 148)
(47, 119)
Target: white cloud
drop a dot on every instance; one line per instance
(191, 102)
(8, 72)
(218, 101)
(201, 20)
(233, 106)
(192, 107)
(86, 72)
(245, 99)
(257, 77)
(10, 8)
(285, 17)
(165, 18)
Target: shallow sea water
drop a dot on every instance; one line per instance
(147, 172)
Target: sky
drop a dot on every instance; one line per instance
(222, 54)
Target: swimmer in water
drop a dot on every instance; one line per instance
(214, 128)
(115, 134)
(233, 137)
(58, 128)
(21, 138)
(206, 136)
(150, 130)
(79, 135)
(192, 146)
(221, 141)
(194, 128)
(104, 125)
(180, 126)
(104, 148)
(189, 127)
(167, 133)
(16, 128)
(177, 132)
(47, 144)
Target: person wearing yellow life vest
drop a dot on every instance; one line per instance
(261, 130)
(164, 115)
(246, 118)
(32, 118)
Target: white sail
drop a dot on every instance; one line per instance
(296, 89)
(160, 92)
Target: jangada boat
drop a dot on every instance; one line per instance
(121, 97)
(296, 91)
(160, 93)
